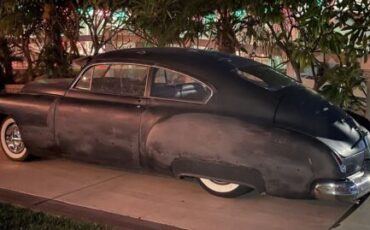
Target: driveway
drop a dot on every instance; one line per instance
(161, 199)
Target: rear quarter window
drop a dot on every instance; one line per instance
(173, 85)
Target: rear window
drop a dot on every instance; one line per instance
(265, 77)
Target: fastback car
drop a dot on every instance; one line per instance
(232, 123)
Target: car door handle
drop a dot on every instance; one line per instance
(138, 106)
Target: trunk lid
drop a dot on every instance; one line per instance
(305, 111)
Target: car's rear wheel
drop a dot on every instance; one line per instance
(11, 141)
(223, 189)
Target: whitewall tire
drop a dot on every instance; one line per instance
(11, 141)
(223, 189)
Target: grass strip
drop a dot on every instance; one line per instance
(21, 218)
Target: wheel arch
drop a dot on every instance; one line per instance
(222, 171)
(3, 116)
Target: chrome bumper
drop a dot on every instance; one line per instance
(351, 189)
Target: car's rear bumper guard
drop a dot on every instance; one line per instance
(351, 189)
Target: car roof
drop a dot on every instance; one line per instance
(206, 65)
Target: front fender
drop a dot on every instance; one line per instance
(34, 115)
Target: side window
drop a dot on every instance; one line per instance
(85, 80)
(116, 79)
(95, 72)
(173, 85)
(133, 79)
(100, 70)
(103, 82)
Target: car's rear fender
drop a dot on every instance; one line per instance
(287, 162)
(307, 112)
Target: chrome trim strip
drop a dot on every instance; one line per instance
(147, 84)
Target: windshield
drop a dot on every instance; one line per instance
(265, 77)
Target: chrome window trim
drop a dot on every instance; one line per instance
(148, 85)
(181, 100)
(86, 68)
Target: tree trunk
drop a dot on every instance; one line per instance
(226, 38)
(297, 70)
(225, 44)
(97, 47)
(72, 29)
(54, 56)
(74, 48)
(6, 69)
(27, 54)
(315, 77)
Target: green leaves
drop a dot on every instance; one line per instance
(342, 85)
(17, 16)
(165, 22)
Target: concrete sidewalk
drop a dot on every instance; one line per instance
(358, 218)
(160, 199)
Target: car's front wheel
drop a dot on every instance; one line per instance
(223, 189)
(11, 141)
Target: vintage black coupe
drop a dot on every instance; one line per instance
(232, 123)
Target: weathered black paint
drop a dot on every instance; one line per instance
(275, 141)
(107, 129)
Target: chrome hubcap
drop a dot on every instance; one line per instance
(13, 139)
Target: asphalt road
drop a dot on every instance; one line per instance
(161, 199)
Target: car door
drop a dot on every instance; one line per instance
(98, 120)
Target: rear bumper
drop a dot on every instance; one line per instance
(351, 189)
